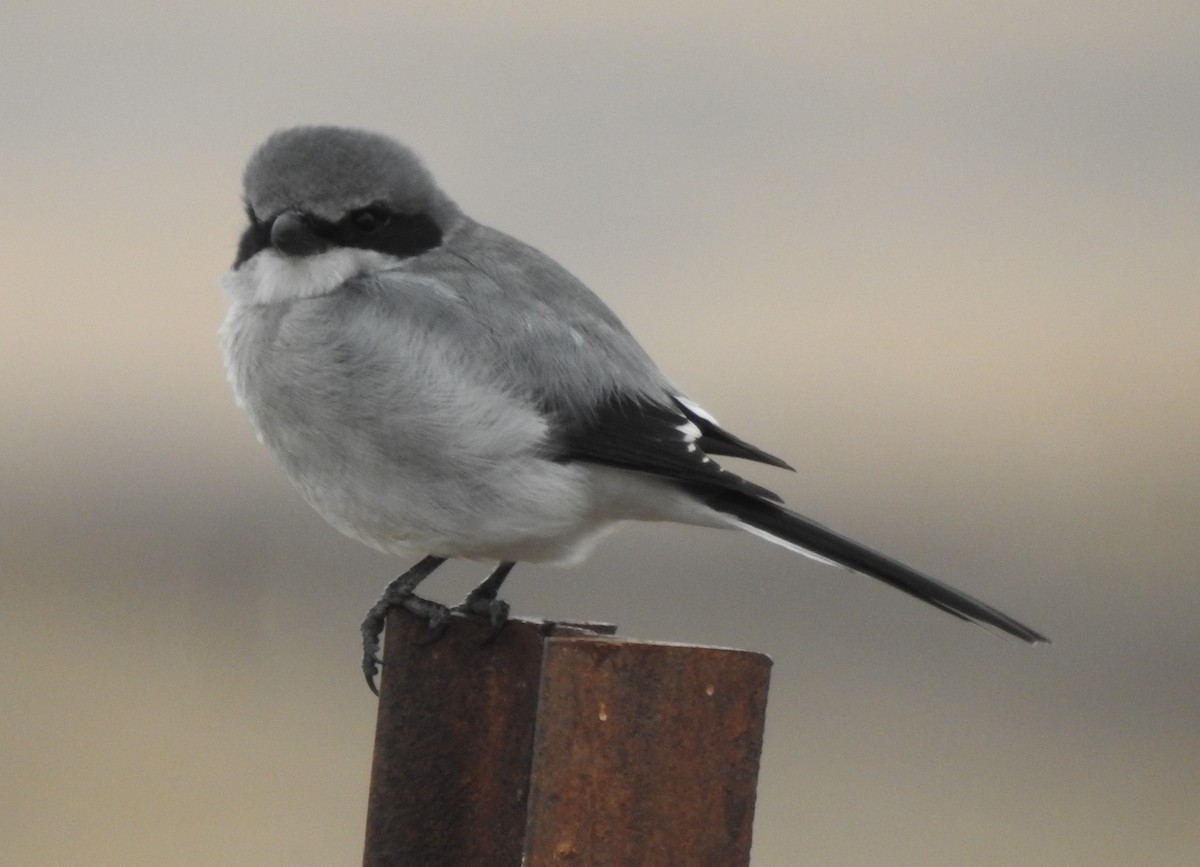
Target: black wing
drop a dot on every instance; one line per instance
(668, 441)
(715, 440)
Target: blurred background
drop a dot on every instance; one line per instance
(942, 257)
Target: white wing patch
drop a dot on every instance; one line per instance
(691, 433)
(695, 409)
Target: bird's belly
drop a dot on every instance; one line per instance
(409, 451)
(523, 510)
(423, 488)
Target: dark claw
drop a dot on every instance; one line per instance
(370, 667)
(483, 601)
(373, 624)
(495, 610)
(439, 621)
(399, 592)
(372, 628)
(482, 605)
(437, 614)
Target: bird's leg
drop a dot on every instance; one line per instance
(482, 600)
(400, 592)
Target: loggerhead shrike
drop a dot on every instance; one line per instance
(431, 384)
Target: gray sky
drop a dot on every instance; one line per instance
(942, 257)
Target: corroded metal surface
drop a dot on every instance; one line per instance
(452, 745)
(453, 742)
(646, 755)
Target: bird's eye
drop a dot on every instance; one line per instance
(368, 220)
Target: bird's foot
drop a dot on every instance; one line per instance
(482, 603)
(437, 614)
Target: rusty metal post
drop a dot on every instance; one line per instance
(646, 755)
(453, 742)
(558, 746)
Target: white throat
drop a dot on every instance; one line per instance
(269, 277)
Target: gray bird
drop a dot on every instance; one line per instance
(431, 384)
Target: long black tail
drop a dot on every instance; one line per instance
(798, 533)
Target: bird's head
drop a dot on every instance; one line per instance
(310, 189)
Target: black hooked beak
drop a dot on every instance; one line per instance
(292, 234)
